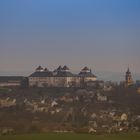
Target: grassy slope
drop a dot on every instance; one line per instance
(72, 137)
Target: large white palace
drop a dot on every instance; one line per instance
(61, 77)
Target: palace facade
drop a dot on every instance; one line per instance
(60, 77)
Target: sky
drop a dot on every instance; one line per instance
(101, 34)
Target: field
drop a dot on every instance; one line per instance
(135, 136)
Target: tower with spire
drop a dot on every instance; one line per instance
(128, 78)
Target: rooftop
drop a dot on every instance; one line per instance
(65, 68)
(85, 69)
(10, 78)
(42, 74)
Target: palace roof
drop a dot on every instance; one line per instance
(46, 70)
(42, 74)
(39, 68)
(64, 74)
(59, 68)
(87, 74)
(85, 69)
(65, 68)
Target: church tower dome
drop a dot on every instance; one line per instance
(128, 78)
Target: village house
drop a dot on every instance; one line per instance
(60, 77)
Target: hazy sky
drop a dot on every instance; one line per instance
(102, 34)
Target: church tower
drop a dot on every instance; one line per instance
(128, 78)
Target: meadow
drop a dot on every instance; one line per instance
(133, 136)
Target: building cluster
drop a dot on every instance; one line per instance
(98, 109)
(60, 77)
(98, 117)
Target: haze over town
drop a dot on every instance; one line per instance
(70, 68)
(103, 35)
